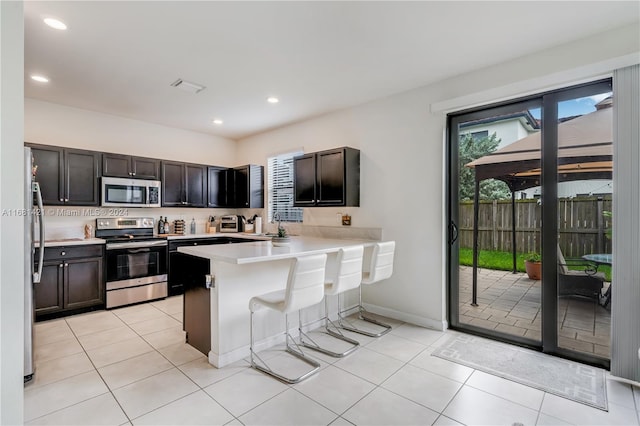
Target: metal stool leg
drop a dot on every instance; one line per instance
(361, 311)
(264, 367)
(311, 344)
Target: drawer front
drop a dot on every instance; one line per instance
(173, 245)
(74, 252)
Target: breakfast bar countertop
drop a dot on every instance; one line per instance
(263, 251)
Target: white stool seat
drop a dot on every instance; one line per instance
(273, 300)
(305, 287)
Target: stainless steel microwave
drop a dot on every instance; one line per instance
(122, 192)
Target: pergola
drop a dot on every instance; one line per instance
(585, 151)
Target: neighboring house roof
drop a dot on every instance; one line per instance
(525, 117)
(585, 150)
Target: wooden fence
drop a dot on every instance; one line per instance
(582, 226)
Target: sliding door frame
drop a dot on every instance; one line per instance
(548, 102)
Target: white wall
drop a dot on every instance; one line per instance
(402, 165)
(11, 225)
(54, 124)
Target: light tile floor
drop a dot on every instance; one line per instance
(130, 366)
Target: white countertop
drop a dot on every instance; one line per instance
(220, 234)
(66, 242)
(262, 251)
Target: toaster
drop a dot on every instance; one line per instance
(229, 223)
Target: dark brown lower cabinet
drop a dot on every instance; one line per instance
(70, 282)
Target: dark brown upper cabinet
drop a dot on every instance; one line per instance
(219, 179)
(248, 187)
(184, 184)
(239, 187)
(67, 176)
(327, 178)
(126, 166)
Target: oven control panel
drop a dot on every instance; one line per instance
(124, 223)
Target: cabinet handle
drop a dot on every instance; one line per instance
(133, 174)
(61, 265)
(66, 265)
(61, 199)
(63, 253)
(66, 200)
(130, 173)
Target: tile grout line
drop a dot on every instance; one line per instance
(98, 372)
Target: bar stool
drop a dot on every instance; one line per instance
(305, 287)
(348, 276)
(380, 268)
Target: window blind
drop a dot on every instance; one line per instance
(280, 188)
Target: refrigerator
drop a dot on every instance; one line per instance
(34, 226)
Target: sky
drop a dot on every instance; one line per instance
(574, 107)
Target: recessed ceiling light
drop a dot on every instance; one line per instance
(273, 100)
(217, 121)
(54, 23)
(40, 78)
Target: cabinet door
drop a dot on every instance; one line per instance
(255, 190)
(241, 187)
(49, 175)
(304, 182)
(81, 178)
(83, 283)
(172, 184)
(330, 177)
(196, 177)
(217, 186)
(116, 165)
(48, 292)
(145, 168)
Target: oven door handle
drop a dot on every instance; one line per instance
(135, 245)
(142, 250)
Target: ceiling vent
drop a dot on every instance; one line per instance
(188, 86)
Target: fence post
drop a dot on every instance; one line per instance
(600, 226)
(494, 224)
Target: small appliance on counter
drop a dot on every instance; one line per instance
(229, 223)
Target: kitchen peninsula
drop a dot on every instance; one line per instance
(230, 275)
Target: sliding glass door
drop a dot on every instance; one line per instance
(512, 168)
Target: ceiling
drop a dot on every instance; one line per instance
(120, 57)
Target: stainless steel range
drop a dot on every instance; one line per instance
(136, 260)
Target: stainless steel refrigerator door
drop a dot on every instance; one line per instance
(31, 276)
(28, 269)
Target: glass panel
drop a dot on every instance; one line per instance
(125, 194)
(585, 162)
(500, 152)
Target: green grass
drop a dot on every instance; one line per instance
(503, 261)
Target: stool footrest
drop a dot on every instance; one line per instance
(350, 327)
(311, 344)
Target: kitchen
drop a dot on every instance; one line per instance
(413, 218)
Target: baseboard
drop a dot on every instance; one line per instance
(222, 360)
(440, 325)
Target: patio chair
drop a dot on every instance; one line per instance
(587, 282)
